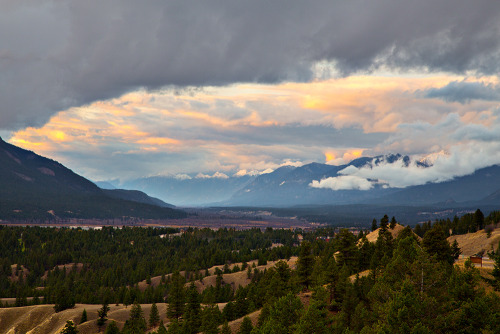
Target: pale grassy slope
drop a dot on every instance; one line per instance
(373, 236)
(237, 279)
(473, 243)
(234, 279)
(42, 319)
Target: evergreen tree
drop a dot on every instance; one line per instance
(112, 328)
(174, 327)
(210, 318)
(246, 326)
(225, 329)
(455, 250)
(84, 316)
(284, 313)
(127, 299)
(161, 328)
(154, 316)
(102, 314)
(478, 220)
(64, 300)
(374, 224)
(496, 269)
(384, 222)
(136, 323)
(176, 297)
(435, 244)
(192, 321)
(348, 249)
(314, 320)
(393, 223)
(70, 328)
(305, 265)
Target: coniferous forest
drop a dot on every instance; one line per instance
(340, 282)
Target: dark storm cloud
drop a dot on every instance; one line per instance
(57, 54)
(464, 92)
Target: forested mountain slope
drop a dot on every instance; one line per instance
(34, 187)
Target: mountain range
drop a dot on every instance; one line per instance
(34, 187)
(291, 186)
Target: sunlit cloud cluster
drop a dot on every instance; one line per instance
(251, 129)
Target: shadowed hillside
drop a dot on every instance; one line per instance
(34, 187)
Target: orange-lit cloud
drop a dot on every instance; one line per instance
(256, 127)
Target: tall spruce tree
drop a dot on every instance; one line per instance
(225, 329)
(70, 328)
(176, 297)
(192, 317)
(305, 265)
(136, 324)
(246, 326)
(84, 316)
(112, 328)
(102, 314)
(154, 316)
(384, 222)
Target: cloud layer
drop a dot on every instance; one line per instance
(59, 54)
(249, 129)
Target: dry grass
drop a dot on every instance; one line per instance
(473, 243)
(235, 324)
(235, 279)
(364, 273)
(16, 274)
(373, 236)
(68, 267)
(42, 319)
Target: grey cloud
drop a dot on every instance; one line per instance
(57, 54)
(301, 135)
(464, 92)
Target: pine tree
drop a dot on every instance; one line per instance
(154, 316)
(112, 328)
(84, 316)
(455, 250)
(64, 300)
(384, 222)
(305, 265)
(374, 224)
(393, 223)
(314, 320)
(136, 322)
(127, 299)
(102, 313)
(176, 297)
(435, 243)
(210, 318)
(174, 327)
(70, 328)
(225, 329)
(246, 326)
(283, 314)
(193, 310)
(478, 220)
(161, 328)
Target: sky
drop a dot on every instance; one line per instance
(126, 89)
